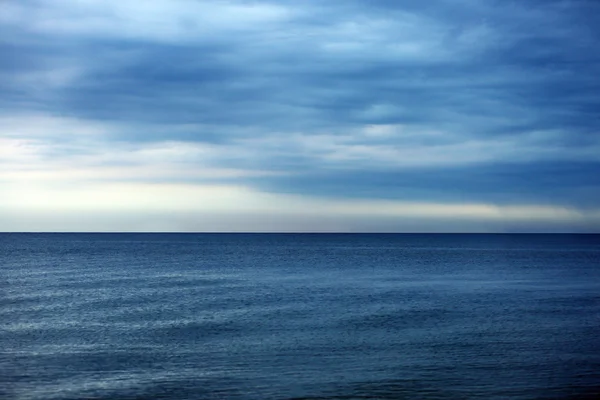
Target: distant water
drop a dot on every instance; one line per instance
(299, 316)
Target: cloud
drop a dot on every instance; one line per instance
(229, 208)
(161, 20)
(470, 102)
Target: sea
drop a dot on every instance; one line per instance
(299, 316)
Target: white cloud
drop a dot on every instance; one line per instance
(38, 147)
(52, 166)
(159, 20)
(49, 127)
(403, 147)
(162, 205)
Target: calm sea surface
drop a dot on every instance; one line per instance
(299, 316)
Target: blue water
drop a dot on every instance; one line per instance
(299, 316)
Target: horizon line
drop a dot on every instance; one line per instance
(297, 233)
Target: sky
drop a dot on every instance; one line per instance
(295, 116)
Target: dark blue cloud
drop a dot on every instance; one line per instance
(546, 183)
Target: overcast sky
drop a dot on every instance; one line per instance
(338, 115)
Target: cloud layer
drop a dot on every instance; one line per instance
(382, 108)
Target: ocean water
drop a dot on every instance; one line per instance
(299, 316)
